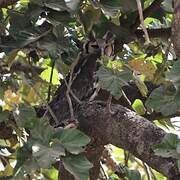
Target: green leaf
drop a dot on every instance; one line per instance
(46, 155)
(133, 174)
(162, 100)
(4, 115)
(72, 4)
(112, 7)
(25, 162)
(25, 117)
(42, 132)
(174, 75)
(169, 141)
(167, 6)
(73, 140)
(166, 122)
(113, 81)
(138, 106)
(46, 74)
(77, 165)
(167, 148)
(59, 5)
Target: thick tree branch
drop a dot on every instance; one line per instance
(127, 130)
(176, 29)
(155, 33)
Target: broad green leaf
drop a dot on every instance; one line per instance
(77, 165)
(73, 140)
(163, 100)
(25, 162)
(167, 5)
(138, 106)
(25, 116)
(133, 175)
(168, 146)
(42, 132)
(173, 75)
(59, 5)
(4, 115)
(113, 81)
(46, 74)
(170, 140)
(18, 21)
(46, 155)
(111, 7)
(72, 4)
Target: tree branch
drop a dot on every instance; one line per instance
(155, 33)
(127, 130)
(156, 4)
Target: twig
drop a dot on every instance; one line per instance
(48, 108)
(142, 21)
(71, 92)
(126, 158)
(155, 5)
(153, 33)
(154, 176)
(128, 101)
(95, 93)
(146, 168)
(103, 171)
(109, 104)
(68, 85)
(50, 81)
(167, 50)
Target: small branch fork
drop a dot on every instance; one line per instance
(69, 90)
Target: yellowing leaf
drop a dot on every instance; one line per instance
(32, 95)
(143, 67)
(11, 100)
(8, 170)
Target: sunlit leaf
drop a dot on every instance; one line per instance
(46, 74)
(138, 106)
